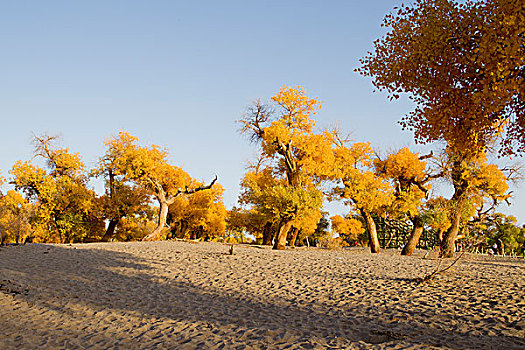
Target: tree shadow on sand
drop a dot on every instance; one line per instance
(100, 279)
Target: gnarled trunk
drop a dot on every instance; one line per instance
(110, 230)
(267, 234)
(413, 239)
(448, 243)
(372, 231)
(280, 240)
(163, 213)
(295, 233)
(165, 199)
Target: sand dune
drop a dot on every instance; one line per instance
(179, 295)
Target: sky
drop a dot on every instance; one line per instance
(180, 74)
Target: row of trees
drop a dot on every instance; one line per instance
(55, 204)
(282, 192)
(281, 198)
(461, 64)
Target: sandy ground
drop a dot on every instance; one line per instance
(180, 295)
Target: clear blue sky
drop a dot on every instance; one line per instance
(180, 73)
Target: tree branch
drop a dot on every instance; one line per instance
(191, 190)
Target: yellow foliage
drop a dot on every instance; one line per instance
(360, 184)
(298, 109)
(306, 220)
(404, 165)
(438, 213)
(133, 229)
(347, 227)
(147, 166)
(64, 208)
(15, 214)
(408, 172)
(459, 62)
(275, 200)
(203, 213)
(477, 178)
(297, 158)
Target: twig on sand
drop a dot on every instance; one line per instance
(437, 271)
(231, 250)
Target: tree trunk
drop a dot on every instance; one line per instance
(174, 230)
(184, 229)
(280, 240)
(163, 213)
(413, 239)
(372, 231)
(110, 230)
(448, 243)
(165, 200)
(267, 234)
(501, 247)
(295, 233)
(440, 236)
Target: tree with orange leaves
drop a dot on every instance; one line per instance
(357, 182)
(348, 228)
(199, 216)
(291, 209)
(64, 207)
(475, 182)
(462, 65)
(15, 215)
(409, 174)
(123, 199)
(148, 167)
(294, 151)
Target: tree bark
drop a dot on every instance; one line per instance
(163, 213)
(267, 234)
(165, 200)
(184, 229)
(280, 240)
(110, 230)
(413, 239)
(440, 236)
(501, 247)
(295, 233)
(448, 243)
(372, 231)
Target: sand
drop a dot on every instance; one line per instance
(181, 295)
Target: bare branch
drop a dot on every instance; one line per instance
(42, 144)
(437, 271)
(514, 172)
(255, 119)
(197, 189)
(340, 138)
(426, 156)
(258, 164)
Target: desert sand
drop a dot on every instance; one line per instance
(182, 295)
